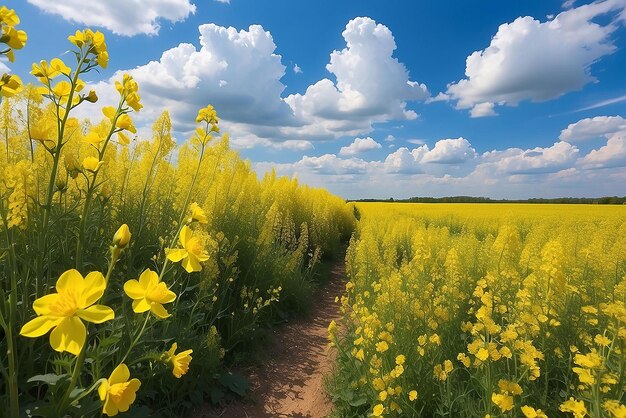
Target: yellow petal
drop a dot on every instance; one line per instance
(175, 255)
(141, 305)
(129, 396)
(96, 314)
(134, 290)
(108, 111)
(119, 375)
(69, 336)
(158, 310)
(185, 235)
(39, 326)
(191, 264)
(95, 284)
(148, 279)
(172, 350)
(43, 304)
(103, 390)
(72, 281)
(110, 408)
(169, 297)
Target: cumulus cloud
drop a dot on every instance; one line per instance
(559, 156)
(360, 145)
(123, 17)
(482, 110)
(239, 73)
(371, 85)
(592, 128)
(613, 154)
(297, 69)
(551, 171)
(450, 151)
(532, 60)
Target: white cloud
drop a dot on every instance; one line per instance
(613, 154)
(390, 138)
(592, 128)
(223, 1)
(482, 110)
(531, 60)
(416, 141)
(297, 69)
(552, 171)
(552, 159)
(240, 74)
(360, 145)
(371, 86)
(124, 17)
(450, 151)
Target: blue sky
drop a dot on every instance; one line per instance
(400, 98)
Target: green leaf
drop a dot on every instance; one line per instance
(49, 379)
(235, 383)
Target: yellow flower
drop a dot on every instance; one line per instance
(180, 361)
(149, 294)
(504, 402)
(126, 123)
(93, 138)
(118, 392)
(9, 17)
(602, 340)
(197, 214)
(382, 346)
(577, 408)
(122, 236)
(16, 39)
(482, 354)
(10, 85)
(64, 310)
(92, 164)
(530, 412)
(192, 252)
(400, 359)
(378, 410)
(412, 395)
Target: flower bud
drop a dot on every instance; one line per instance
(92, 97)
(122, 237)
(61, 184)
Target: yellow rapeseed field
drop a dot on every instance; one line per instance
(483, 310)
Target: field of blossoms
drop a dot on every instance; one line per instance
(469, 310)
(132, 268)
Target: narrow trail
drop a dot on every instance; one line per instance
(290, 383)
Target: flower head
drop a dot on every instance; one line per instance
(180, 362)
(118, 392)
(92, 164)
(10, 85)
(149, 294)
(192, 252)
(197, 214)
(64, 310)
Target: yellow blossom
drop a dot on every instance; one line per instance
(192, 253)
(180, 362)
(118, 392)
(149, 294)
(62, 311)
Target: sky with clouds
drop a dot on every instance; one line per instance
(376, 99)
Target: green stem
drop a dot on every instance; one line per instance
(137, 337)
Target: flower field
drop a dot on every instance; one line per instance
(467, 310)
(132, 268)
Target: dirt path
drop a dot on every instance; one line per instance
(291, 381)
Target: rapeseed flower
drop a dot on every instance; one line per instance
(192, 253)
(63, 311)
(118, 392)
(149, 294)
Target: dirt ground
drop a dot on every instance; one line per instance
(290, 383)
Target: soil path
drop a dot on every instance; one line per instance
(290, 383)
